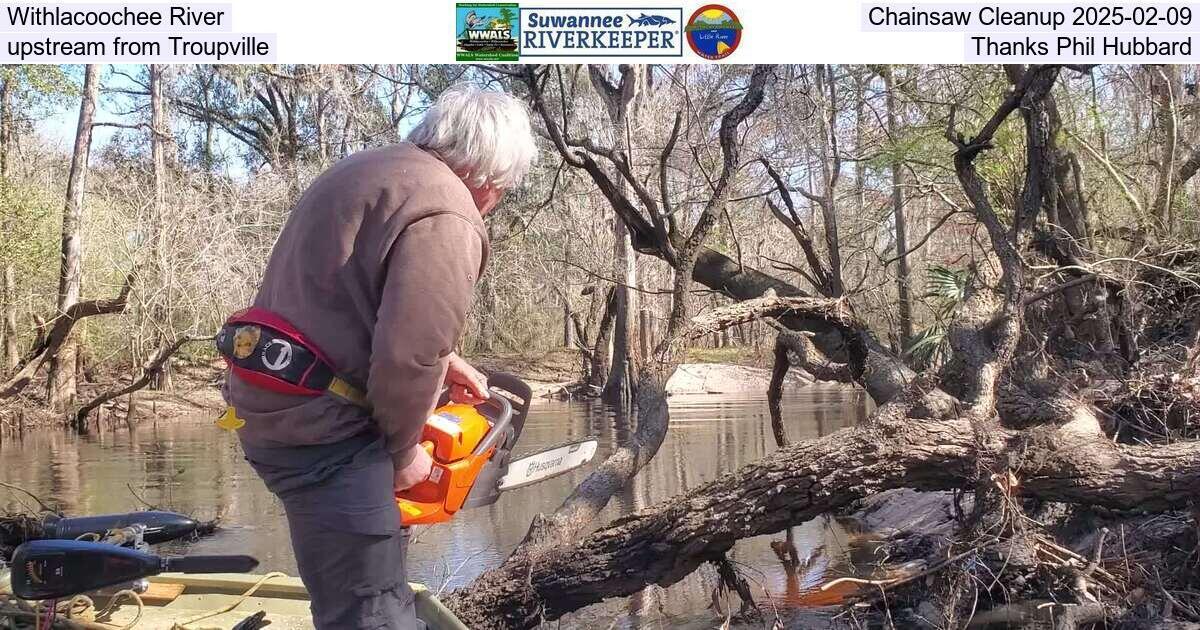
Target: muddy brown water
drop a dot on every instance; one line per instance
(196, 468)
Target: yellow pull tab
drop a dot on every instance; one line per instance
(230, 420)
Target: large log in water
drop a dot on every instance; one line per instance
(664, 543)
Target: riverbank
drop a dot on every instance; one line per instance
(195, 387)
(555, 374)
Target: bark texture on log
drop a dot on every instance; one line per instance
(664, 543)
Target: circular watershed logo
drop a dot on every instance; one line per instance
(714, 31)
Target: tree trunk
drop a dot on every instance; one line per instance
(618, 387)
(1166, 90)
(602, 349)
(860, 132)
(829, 152)
(568, 339)
(902, 269)
(645, 334)
(62, 382)
(814, 477)
(622, 102)
(160, 134)
(10, 354)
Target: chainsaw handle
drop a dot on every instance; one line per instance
(499, 427)
(518, 393)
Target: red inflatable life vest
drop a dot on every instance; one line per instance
(267, 351)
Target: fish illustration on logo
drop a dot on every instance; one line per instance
(650, 20)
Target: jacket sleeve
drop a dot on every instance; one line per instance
(431, 273)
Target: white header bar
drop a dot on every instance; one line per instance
(599, 31)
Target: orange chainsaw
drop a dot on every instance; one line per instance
(471, 447)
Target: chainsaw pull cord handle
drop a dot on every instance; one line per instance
(499, 427)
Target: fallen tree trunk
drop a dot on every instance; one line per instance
(149, 370)
(880, 372)
(60, 330)
(663, 544)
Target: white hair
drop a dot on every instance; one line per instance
(483, 135)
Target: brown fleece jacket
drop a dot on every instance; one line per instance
(376, 265)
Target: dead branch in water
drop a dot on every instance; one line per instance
(60, 329)
(41, 504)
(149, 369)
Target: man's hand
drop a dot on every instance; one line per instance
(415, 472)
(467, 385)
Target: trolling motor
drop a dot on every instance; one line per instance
(472, 446)
(159, 526)
(52, 569)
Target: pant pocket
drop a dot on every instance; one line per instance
(386, 608)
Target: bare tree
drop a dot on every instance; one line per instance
(622, 102)
(160, 139)
(64, 364)
(9, 353)
(900, 223)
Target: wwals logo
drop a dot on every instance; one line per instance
(486, 31)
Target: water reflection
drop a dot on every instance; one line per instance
(196, 468)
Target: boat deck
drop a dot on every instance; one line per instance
(182, 599)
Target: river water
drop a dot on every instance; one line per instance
(196, 468)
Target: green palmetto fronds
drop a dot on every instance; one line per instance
(947, 285)
(946, 288)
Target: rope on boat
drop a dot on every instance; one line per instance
(74, 613)
(224, 609)
(112, 606)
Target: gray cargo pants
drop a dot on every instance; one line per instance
(350, 548)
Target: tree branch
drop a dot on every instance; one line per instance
(149, 369)
(60, 329)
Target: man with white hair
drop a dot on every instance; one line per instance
(370, 281)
